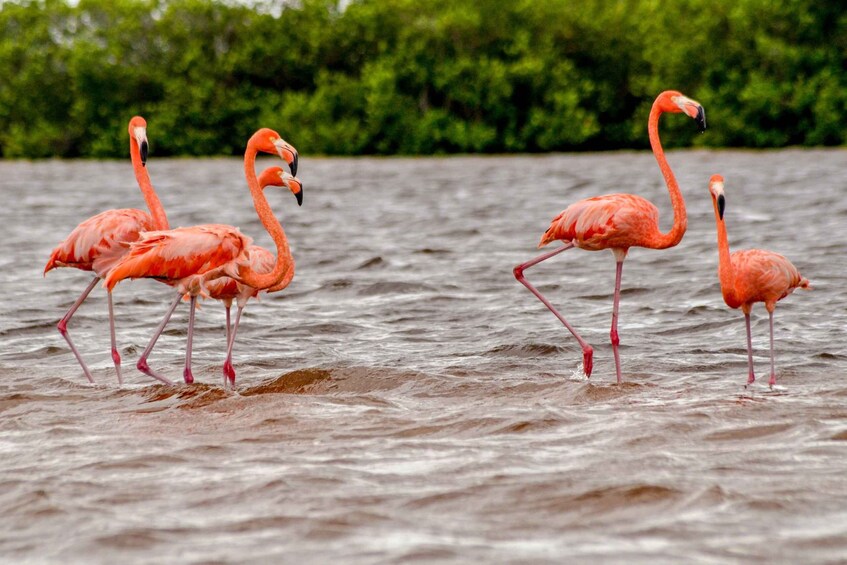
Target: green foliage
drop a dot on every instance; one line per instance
(415, 76)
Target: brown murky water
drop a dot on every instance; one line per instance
(405, 400)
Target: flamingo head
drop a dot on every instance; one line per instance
(676, 102)
(138, 132)
(716, 188)
(276, 176)
(269, 141)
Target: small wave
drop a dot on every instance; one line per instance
(608, 498)
(394, 287)
(751, 432)
(296, 382)
(353, 380)
(372, 263)
(525, 350)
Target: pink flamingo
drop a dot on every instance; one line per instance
(184, 256)
(751, 275)
(228, 289)
(100, 241)
(618, 222)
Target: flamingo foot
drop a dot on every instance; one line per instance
(750, 380)
(145, 368)
(587, 360)
(772, 381)
(186, 374)
(229, 372)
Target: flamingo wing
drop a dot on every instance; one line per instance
(764, 276)
(100, 241)
(602, 222)
(175, 254)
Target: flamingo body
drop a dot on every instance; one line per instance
(228, 289)
(612, 221)
(761, 276)
(100, 241)
(173, 255)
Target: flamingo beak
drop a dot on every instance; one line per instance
(293, 163)
(701, 118)
(294, 185)
(298, 191)
(721, 205)
(288, 154)
(693, 110)
(141, 138)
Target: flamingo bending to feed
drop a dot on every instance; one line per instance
(618, 222)
(751, 275)
(228, 289)
(100, 241)
(181, 257)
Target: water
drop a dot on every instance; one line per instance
(406, 400)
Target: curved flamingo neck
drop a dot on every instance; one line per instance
(160, 219)
(726, 272)
(680, 220)
(247, 275)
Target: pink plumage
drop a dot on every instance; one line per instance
(750, 276)
(171, 256)
(99, 242)
(603, 222)
(762, 276)
(618, 222)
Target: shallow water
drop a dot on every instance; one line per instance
(406, 400)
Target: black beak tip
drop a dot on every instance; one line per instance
(144, 153)
(293, 165)
(299, 196)
(701, 119)
(721, 205)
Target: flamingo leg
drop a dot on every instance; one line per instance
(186, 374)
(587, 351)
(116, 356)
(751, 376)
(227, 323)
(142, 361)
(229, 371)
(772, 380)
(613, 335)
(63, 326)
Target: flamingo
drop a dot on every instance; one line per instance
(751, 275)
(618, 222)
(99, 242)
(181, 257)
(228, 289)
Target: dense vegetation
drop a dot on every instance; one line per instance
(416, 76)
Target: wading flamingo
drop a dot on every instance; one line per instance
(751, 275)
(618, 222)
(100, 241)
(228, 289)
(181, 256)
